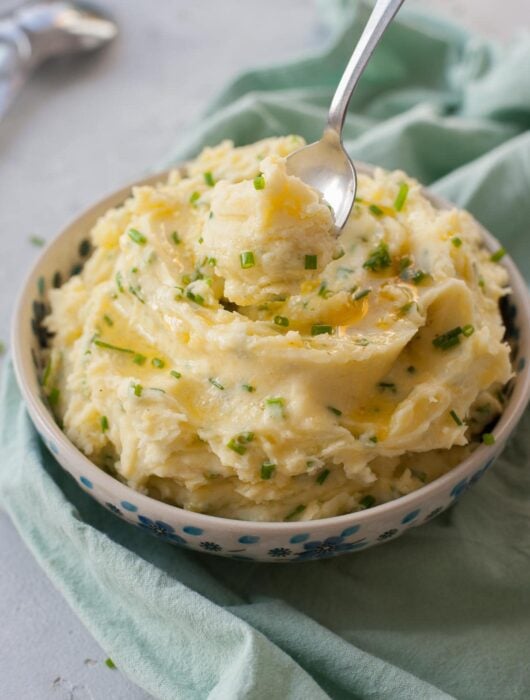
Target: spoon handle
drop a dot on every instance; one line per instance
(382, 14)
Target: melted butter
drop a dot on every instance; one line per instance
(349, 314)
(309, 286)
(285, 201)
(375, 414)
(121, 335)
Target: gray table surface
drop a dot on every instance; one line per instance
(77, 132)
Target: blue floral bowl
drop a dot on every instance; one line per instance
(259, 541)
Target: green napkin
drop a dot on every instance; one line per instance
(443, 612)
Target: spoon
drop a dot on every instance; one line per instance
(40, 30)
(325, 165)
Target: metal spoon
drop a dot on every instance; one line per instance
(325, 164)
(41, 30)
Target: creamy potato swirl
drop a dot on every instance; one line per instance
(225, 350)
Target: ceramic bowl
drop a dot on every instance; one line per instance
(270, 542)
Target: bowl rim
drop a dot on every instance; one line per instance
(40, 414)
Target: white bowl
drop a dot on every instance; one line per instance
(261, 541)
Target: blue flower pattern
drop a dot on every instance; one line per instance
(322, 549)
(279, 552)
(160, 529)
(211, 546)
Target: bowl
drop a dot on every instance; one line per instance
(259, 541)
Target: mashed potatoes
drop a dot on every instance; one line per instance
(225, 351)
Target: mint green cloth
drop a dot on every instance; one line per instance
(443, 612)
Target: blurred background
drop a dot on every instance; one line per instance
(80, 129)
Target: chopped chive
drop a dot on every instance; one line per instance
(363, 342)
(379, 258)
(119, 283)
(360, 295)
(376, 211)
(297, 511)
(456, 241)
(214, 382)
(367, 501)
(248, 387)
(37, 241)
(449, 339)
(411, 369)
(47, 369)
(321, 329)
(404, 263)
(175, 238)
(137, 389)
(276, 406)
(211, 261)
(53, 396)
(488, 438)
(334, 410)
(310, 262)
(259, 182)
(158, 363)
(197, 298)
(267, 470)
(338, 254)
(108, 320)
(135, 291)
(468, 330)
(454, 415)
(246, 259)
(139, 359)
(210, 215)
(387, 385)
(419, 276)
(200, 240)
(110, 663)
(374, 439)
(175, 374)
(136, 236)
(209, 179)
(194, 197)
(323, 290)
(104, 424)
(406, 308)
(322, 476)
(236, 447)
(109, 346)
(281, 321)
(401, 197)
(498, 255)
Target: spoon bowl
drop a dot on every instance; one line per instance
(327, 167)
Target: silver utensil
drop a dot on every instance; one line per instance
(37, 31)
(325, 164)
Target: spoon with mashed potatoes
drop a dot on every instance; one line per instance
(325, 165)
